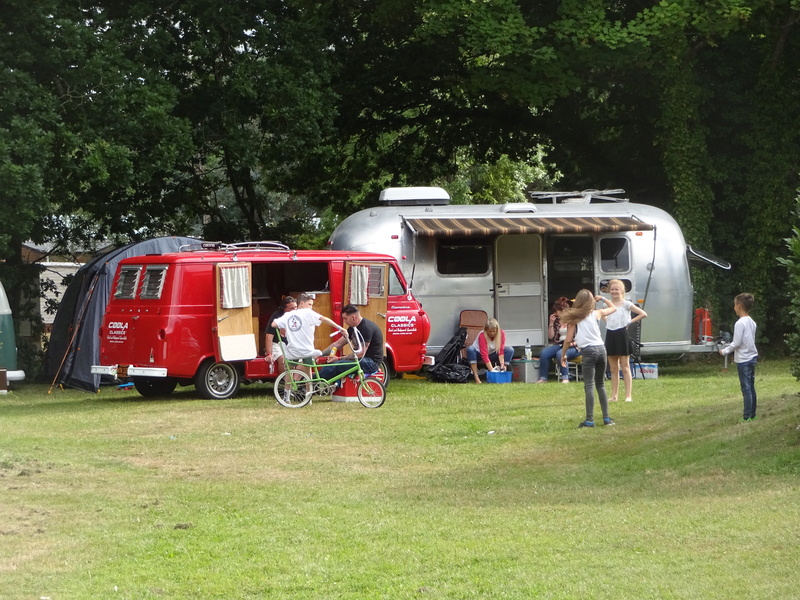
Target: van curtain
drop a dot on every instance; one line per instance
(359, 280)
(235, 283)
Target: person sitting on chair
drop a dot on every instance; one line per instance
(555, 334)
(364, 336)
(490, 344)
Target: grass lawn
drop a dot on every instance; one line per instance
(447, 491)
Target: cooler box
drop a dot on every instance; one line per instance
(347, 392)
(648, 371)
(498, 376)
(525, 371)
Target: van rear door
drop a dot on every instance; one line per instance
(235, 333)
(366, 286)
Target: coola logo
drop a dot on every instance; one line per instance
(117, 325)
(402, 319)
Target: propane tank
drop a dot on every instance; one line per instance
(702, 326)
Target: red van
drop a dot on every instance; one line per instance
(196, 317)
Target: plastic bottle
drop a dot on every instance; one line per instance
(528, 354)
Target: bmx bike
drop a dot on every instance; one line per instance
(294, 388)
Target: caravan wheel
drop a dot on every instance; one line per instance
(216, 381)
(154, 386)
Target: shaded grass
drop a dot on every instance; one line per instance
(448, 491)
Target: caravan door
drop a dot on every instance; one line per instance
(237, 340)
(366, 286)
(518, 288)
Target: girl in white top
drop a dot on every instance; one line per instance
(582, 324)
(618, 342)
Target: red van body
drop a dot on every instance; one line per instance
(197, 316)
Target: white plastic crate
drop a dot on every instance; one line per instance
(648, 371)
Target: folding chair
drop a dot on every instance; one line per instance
(574, 367)
(473, 321)
(635, 334)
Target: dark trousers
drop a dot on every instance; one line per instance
(368, 365)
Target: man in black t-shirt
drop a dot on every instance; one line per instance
(273, 353)
(364, 335)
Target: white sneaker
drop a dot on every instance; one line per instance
(628, 399)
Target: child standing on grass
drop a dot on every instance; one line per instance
(618, 342)
(581, 320)
(745, 354)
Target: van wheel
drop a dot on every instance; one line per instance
(216, 381)
(155, 386)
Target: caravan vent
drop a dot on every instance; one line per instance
(414, 196)
(518, 207)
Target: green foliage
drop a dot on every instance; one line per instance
(792, 264)
(259, 120)
(503, 180)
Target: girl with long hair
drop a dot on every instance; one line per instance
(491, 346)
(618, 342)
(582, 326)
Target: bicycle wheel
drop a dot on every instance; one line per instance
(371, 392)
(294, 392)
(383, 374)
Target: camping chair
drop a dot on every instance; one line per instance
(473, 321)
(635, 334)
(574, 367)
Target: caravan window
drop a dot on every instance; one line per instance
(463, 256)
(127, 282)
(614, 255)
(153, 282)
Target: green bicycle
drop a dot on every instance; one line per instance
(294, 388)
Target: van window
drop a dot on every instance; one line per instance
(614, 255)
(463, 256)
(375, 284)
(127, 283)
(395, 287)
(153, 282)
(234, 286)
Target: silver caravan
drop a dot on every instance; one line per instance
(512, 260)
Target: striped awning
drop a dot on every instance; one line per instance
(463, 226)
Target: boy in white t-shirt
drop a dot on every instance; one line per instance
(300, 325)
(745, 353)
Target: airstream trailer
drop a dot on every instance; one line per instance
(512, 260)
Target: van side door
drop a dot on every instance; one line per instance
(235, 329)
(366, 286)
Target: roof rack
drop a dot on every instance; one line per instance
(266, 246)
(584, 197)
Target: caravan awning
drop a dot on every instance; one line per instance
(463, 226)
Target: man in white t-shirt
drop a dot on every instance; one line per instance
(300, 325)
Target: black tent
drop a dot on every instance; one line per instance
(74, 343)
